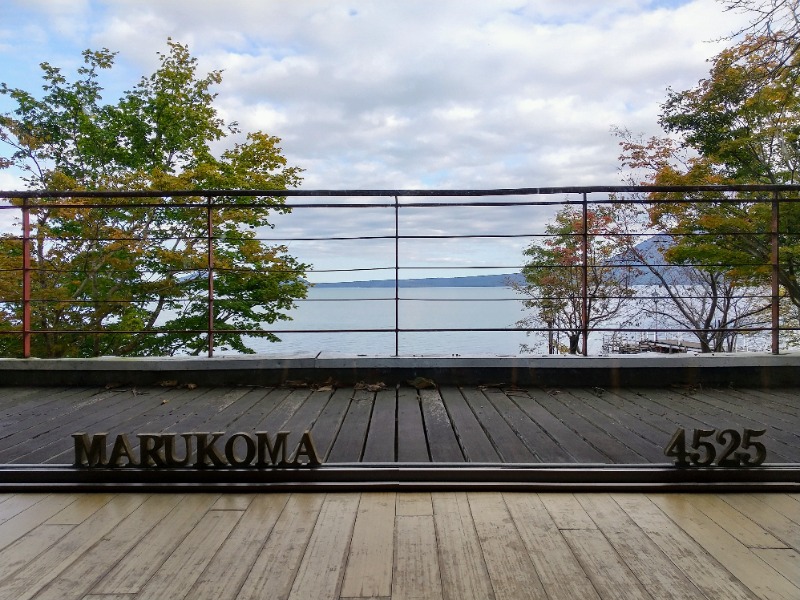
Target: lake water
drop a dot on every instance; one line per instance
(431, 308)
(419, 308)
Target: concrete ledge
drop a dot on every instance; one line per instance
(742, 370)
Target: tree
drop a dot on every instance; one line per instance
(693, 292)
(125, 267)
(554, 277)
(732, 128)
(776, 23)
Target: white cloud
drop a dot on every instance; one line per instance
(404, 93)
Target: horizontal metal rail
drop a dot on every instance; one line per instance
(29, 202)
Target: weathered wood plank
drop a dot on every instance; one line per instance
(276, 565)
(442, 441)
(304, 417)
(214, 413)
(742, 527)
(566, 511)
(785, 504)
(209, 412)
(542, 447)
(616, 451)
(264, 401)
(26, 549)
(654, 569)
(645, 441)
(608, 572)
(131, 575)
(58, 441)
(782, 446)
(380, 446)
(702, 569)
(412, 445)
(561, 575)
(132, 417)
(473, 439)
(369, 563)
(785, 527)
(781, 400)
(416, 565)
(321, 569)
(24, 410)
(414, 504)
(754, 406)
(20, 524)
(239, 502)
(567, 438)
(349, 443)
(734, 556)
(784, 561)
(80, 510)
(79, 577)
(63, 417)
(463, 570)
(184, 566)
(615, 401)
(26, 583)
(223, 577)
(18, 503)
(503, 438)
(158, 412)
(510, 569)
(330, 420)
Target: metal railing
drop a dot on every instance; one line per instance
(19, 269)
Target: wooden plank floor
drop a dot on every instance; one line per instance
(447, 545)
(451, 424)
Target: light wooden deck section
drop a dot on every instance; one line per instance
(449, 545)
(406, 425)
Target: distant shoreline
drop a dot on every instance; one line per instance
(501, 280)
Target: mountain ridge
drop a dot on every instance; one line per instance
(650, 249)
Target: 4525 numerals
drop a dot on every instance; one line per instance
(726, 448)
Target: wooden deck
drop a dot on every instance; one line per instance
(384, 545)
(406, 425)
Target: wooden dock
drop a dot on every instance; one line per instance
(431, 544)
(406, 425)
(439, 545)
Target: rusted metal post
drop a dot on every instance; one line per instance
(774, 260)
(26, 279)
(210, 237)
(585, 275)
(396, 277)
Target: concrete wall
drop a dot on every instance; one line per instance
(742, 370)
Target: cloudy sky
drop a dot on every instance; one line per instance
(368, 94)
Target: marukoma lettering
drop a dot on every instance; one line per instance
(195, 450)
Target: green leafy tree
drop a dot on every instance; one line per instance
(121, 267)
(553, 286)
(775, 23)
(740, 125)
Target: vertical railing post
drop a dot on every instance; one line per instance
(26, 279)
(210, 236)
(396, 277)
(585, 275)
(775, 262)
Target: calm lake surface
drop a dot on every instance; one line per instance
(434, 308)
(419, 308)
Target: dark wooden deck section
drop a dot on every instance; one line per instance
(405, 425)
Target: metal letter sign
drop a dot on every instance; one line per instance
(200, 450)
(709, 447)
